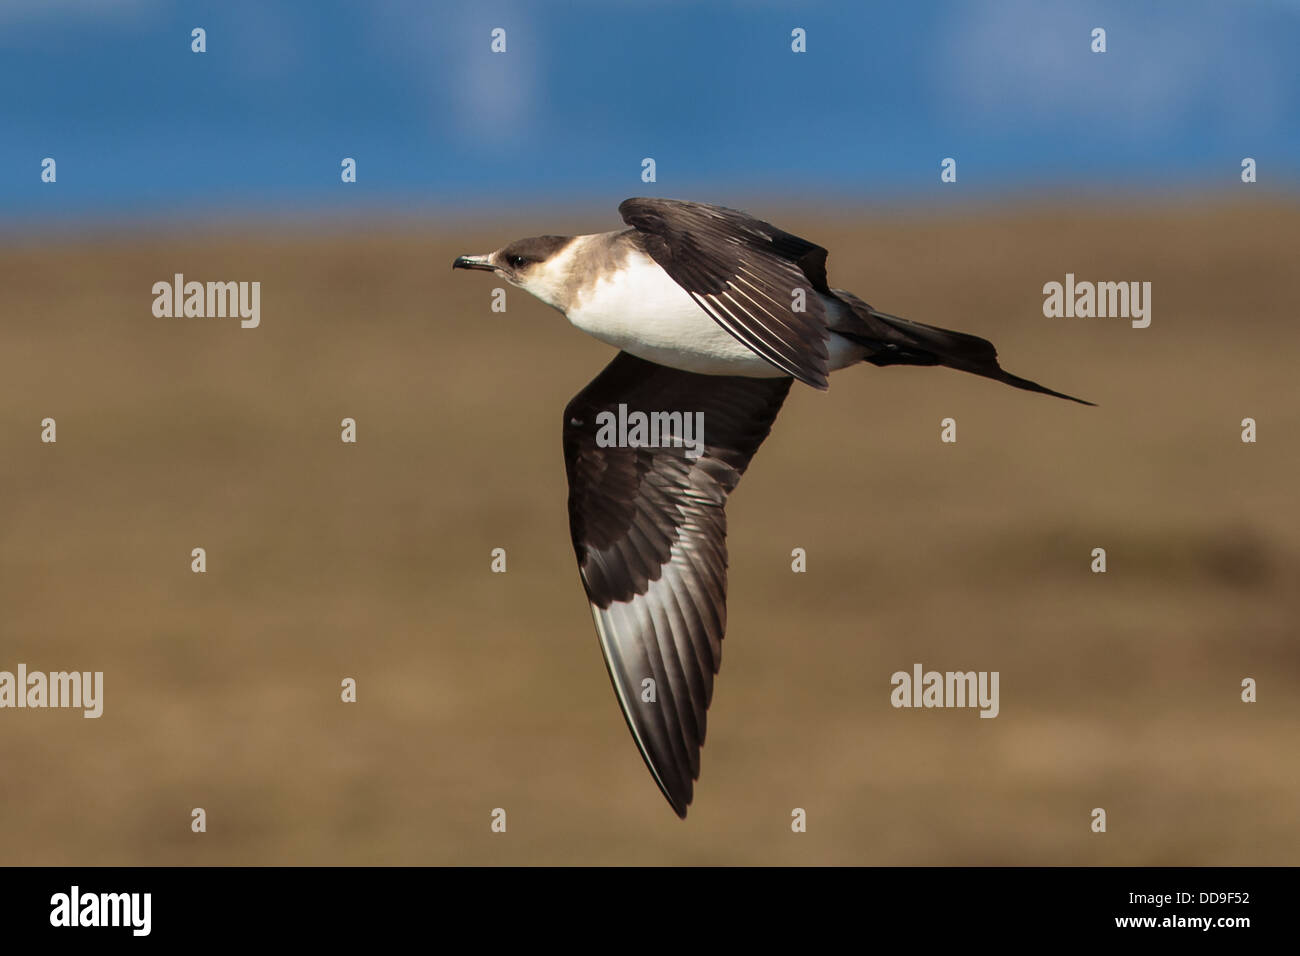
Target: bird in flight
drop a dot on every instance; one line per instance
(715, 314)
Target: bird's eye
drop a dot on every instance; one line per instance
(514, 262)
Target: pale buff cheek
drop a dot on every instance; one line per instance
(550, 281)
(550, 288)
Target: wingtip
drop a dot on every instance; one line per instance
(679, 802)
(813, 378)
(679, 794)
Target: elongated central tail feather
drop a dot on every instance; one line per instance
(897, 341)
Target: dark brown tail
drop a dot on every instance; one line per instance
(898, 341)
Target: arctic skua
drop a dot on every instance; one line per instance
(715, 313)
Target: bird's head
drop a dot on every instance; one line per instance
(535, 265)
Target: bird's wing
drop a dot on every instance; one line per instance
(650, 532)
(743, 272)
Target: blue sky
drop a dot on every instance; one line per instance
(142, 127)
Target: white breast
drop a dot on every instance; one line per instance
(641, 310)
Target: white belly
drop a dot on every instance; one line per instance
(646, 313)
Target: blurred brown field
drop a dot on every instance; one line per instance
(480, 690)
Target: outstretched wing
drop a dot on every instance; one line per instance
(649, 531)
(744, 273)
